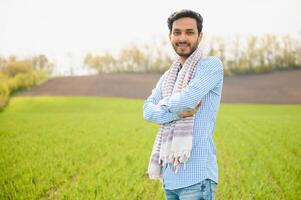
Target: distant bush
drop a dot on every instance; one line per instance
(257, 54)
(17, 67)
(132, 59)
(16, 75)
(4, 90)
(26, 80)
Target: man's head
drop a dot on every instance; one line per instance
(185, 34)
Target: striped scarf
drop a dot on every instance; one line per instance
(173, 142)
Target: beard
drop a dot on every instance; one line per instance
(185, 49)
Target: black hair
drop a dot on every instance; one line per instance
(185, 13)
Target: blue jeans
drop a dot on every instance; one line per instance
(203, 190)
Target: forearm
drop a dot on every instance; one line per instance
(154, 113)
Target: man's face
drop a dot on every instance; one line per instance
(184, 36)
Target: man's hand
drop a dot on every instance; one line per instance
(192, 112)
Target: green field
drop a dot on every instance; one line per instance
(98, 148)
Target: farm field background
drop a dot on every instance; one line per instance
(98, 148)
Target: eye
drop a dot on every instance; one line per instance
(176, 33)
(190, 32)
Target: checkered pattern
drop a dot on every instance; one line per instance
(207, 85)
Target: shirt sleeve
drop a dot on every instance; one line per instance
(152, 110)
(209, 73)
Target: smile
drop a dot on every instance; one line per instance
(183, 45)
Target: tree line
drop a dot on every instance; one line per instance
(240, 55)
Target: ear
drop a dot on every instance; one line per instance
(169, 35)
(200, 37)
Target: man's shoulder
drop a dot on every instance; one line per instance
(209, 65)
(211, 61)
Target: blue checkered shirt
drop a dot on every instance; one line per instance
(206, 85)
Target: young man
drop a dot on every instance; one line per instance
(185, 102)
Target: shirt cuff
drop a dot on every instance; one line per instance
(171, 103)
(163, 103)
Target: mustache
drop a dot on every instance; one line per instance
(179, 43)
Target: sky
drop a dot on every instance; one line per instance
(65, 30)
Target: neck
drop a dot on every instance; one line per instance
(182, 60)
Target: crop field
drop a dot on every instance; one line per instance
(98, 148)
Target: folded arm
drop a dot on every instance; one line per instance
(152, 110)
(209, 73)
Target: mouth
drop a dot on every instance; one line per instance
(183, 45)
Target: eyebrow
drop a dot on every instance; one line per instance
(189, 29)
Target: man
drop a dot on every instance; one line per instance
(185, 102)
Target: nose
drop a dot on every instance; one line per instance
(182, 38)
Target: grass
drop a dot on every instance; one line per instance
(98, 148)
